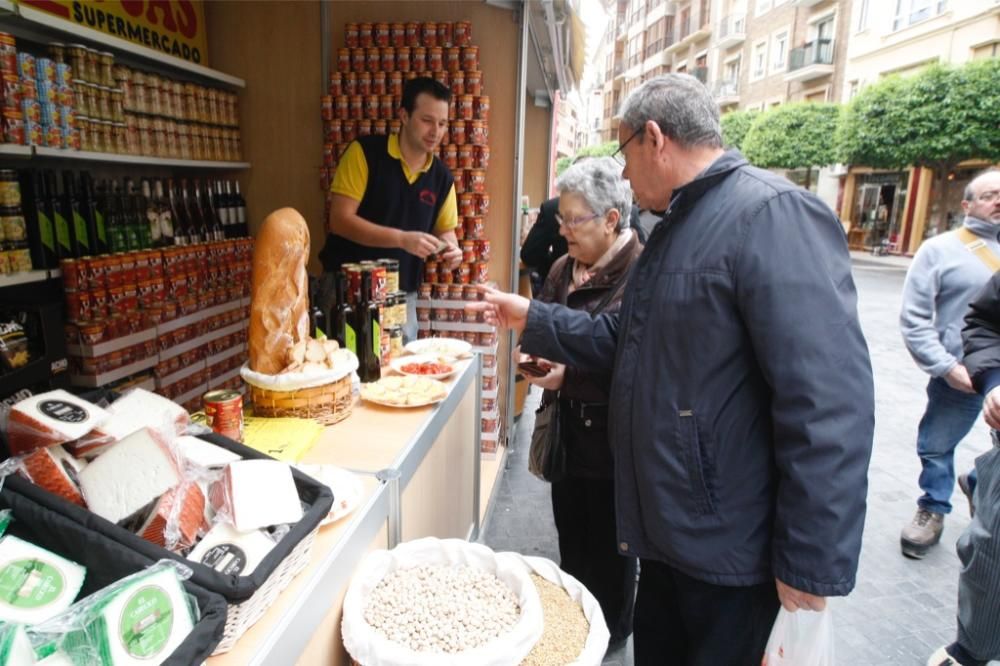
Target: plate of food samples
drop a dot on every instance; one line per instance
(431, 366)
(405, 391)
(447, 347)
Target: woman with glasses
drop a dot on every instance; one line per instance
(594, 206)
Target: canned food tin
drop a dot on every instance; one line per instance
(391, 267)
(480, 272)
(470, 337)
(457, 83)
(444, 79)
(372, 107)
(441, 314)
(435, 59)
(396, 83)
(386, 106)
(351, 35)
(461, 33)
(424, 292)
(474, 83)
(477, 180)
(481, 156)
(458, 135)
(428, 34)
(381, 35)
(418, 59)
(470, 58)
(365, 37)
(470, 293)
(357, 60)
(466, 203)
(26, 65)
(465, 273)
(10, 189)
(439, 291)
(380, 127)
(357, 110)
(483, 249)
(449, 154)
(453, 59)
(454, 292)
(470, 316)
(423, 314)
(378, 83)
(8, 53)
(224, 413)
(344, 59)
(388, 58)
(395, 341)
(477, 133)
(373, 59)
(412, 30)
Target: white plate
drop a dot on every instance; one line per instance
(346, 487)
(439, 346)
(397, 365)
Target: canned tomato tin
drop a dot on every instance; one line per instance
(480, 272)
(387, 58)
(457, 83)
(439, 291)
(435, 59)
(445, 276)
(378, 83)
(371, 109)
(351, 35)
(470, 292)
(465, 107)
(444, 79)
(458, 135)
(423, 314)
(344, 59)
(224, 413)
(351, 83)
(440, 314)
(461, 33)
(336, 84)
(424, 292)
(466, 203)
(362, 83)
(391, 267)
(380, 127)
(477, 134)
(488, 340)
(481, 156)
(373, 59)
(386, 106)
(470, 316)
(470, 58)
(428, 34)
(418, 59)
(468, 251)
(397, 35)
(381, 36)
(454, 292)
(483, 249)
(396, 83)
(412, 30)
(357, 110)
(8, 53)
(453, 59)
(449, 155)
(477, 180)
(481, 108)
(474, 83)
(357, 60)
(395, 341)
(464, 273)
(365, 38)
(482, 204)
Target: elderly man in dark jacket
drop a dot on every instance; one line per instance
(742, 401)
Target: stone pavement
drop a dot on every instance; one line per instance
(901, 609)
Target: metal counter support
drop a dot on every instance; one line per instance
(478, 454)
(289, 636)
(390, 477)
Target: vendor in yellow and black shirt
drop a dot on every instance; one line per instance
(393, 198)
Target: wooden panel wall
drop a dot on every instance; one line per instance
(275, 47)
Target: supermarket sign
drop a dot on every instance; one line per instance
(170, 27)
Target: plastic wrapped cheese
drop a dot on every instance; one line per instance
(256, 494)
(129, 475)
(50, 418)
(55, 470)
(35, 584)
(200, 453)
(174, 525)
(134, 411)
(140, 619)
(15, 648)
(231, 552)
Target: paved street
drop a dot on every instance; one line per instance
(901, 609)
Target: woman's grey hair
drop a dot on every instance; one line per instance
(682, 107)
(599, 181)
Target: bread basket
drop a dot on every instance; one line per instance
(325, 397)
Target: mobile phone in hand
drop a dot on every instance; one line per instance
(532, 369)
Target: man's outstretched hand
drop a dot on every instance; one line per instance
(502, 309)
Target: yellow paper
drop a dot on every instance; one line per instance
(286, 439)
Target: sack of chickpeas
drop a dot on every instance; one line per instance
(441, 602)
(574, 629)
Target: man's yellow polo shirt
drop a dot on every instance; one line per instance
(351, 179)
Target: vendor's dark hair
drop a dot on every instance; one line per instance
(424, 84)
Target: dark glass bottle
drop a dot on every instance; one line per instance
(65, 237)
(239, 205)
(179, 216)
(165, 215)
(71, 213)
(222, 209)
(342, 317)
(96, 227)
(45, 254)
(191, 213)
(369, 333)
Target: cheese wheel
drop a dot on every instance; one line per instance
(279, 305)
(56, 471)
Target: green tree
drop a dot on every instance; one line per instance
(936, 119)
(735, 126)
(600, 150)
(562, 164)
(794, 136)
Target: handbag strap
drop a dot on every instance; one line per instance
(978, 247)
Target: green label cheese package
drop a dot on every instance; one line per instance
(35, 584)
(15, 648)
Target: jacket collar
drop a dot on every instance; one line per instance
(982, 228)
(688, 194)
(614, 269)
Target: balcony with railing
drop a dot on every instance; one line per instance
(654, 48)
(810, 61)
(726, 92)
(700, 73)
(621, 27)
(732, 31)
(619, 67)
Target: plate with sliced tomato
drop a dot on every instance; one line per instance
(431, 366)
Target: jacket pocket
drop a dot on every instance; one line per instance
(700, 470)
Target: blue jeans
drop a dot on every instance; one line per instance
(949, 417)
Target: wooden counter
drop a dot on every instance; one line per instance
(421, 470)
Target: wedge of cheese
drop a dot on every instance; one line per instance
(231, 552)
(141, 621)
(261, 493)
(128, 476)
(55, 470)
(140, 409)
(200, 453)
(189, 517)
(15, 648)
(51, 418)
(34, 583)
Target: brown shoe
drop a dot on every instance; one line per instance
(923, 532)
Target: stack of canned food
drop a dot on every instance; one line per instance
(38, 100)
(15, 255)
(385, 291)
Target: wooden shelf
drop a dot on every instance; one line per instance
(112, 158)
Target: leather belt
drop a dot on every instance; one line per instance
(583, 410)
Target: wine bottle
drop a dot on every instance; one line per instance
(96, 230)
(71, 212)
(222, 209)
(342, 326)
(193, 220)
(164, 214)
(63, 228)
(178, 215)
(240, 204)
(45, 253)
(369, 333)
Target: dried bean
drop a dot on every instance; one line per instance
(565, 630)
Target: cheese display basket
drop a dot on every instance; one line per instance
(248, 596)
(106, 561)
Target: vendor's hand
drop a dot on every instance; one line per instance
(793, 600)
(958, 378)
(552, 381)
(419, 244)
(451, 257)
(502, 309)
(991, 408)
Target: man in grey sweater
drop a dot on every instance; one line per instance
(946, 274)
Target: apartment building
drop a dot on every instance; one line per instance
(902, 208)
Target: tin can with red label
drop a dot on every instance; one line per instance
(481, 157)
(482, 204)
(461, 34)
(344, 59)
(480, 272)
(428, 34)
(474, 83)
(365, 36)
(224, 413)
(351, 35)
(388, 60)
(457, 83)
(386, 106)
(379, 85)
(381, 35)
(363, 83)
(418, 59)
(373, 59)
(412, 33)
(397, 34)
(357, 60)
(458, 135)
(336, 86)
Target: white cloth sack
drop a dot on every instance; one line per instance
(293, 381)
(598, 637)
(802, 638)
(369, 648)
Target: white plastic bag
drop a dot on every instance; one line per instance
(370, 648)
(802, 638)
(598, 637)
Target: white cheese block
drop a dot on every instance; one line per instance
(141, 622)
(261, 493)
(15, 648)
(204, 454)
(34, 583)
(128, 476)
(140, 409)
(231, 552)
(51, 418)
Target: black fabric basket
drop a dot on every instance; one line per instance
(107, 562)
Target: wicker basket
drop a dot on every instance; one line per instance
(328, 404)
(242, 616)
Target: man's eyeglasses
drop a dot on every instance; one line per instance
(618, 155)
(989, 197)
(576, 221)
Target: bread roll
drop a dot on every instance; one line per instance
(279, 305)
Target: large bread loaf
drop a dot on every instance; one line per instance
(279, 307)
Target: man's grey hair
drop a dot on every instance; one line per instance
(599, 181)
(970, 193)
(682, 107)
